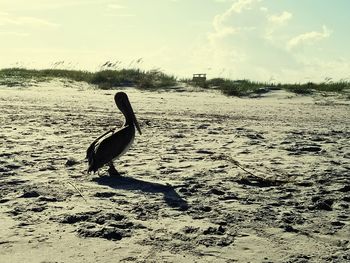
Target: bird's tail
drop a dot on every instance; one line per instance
(90, 152)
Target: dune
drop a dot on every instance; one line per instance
(211, 179)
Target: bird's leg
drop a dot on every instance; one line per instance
(112, 171)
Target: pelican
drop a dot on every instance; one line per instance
(114, 143)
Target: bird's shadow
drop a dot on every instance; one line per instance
(171, 197)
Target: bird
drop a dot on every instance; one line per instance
(114, 143)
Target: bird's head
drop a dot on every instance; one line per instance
(123, 104)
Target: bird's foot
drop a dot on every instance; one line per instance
(113, 172)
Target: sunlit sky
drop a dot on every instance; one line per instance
(265, 40)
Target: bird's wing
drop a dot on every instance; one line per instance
(91, 148)
(111, 146)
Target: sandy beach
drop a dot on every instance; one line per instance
(211, 179)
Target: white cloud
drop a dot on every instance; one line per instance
(114, 6)
(308, 38)
(249, 41)
(242, 5)
(221, 22)
(236, 7)
(8, 19)
(114, 10)
(47, 5)
(12, 33)
(280, 19)
(264, 9)
(237, 46)
(274, 31)
(119, 15)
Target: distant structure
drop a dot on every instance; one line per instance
(199, 77)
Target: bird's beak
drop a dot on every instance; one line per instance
(137, 124)
(134, 119)
(125, 107)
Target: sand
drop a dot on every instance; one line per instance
(211, 179)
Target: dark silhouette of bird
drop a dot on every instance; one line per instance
(115, 142)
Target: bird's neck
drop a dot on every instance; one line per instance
(128, 121)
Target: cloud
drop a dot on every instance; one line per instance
(222, 22)
(119, 15)
(237, 8)
(242, 5)
(248, 40)
(114, 10)
(308, 38)
(238, 44)
(276, 25)
(280, 19)
(114, 6)
(48, 5)
(12, 33)
(222, 1)
(264, 9)
(8, 19)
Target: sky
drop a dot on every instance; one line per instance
(261, 40)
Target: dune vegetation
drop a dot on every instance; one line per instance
(110, 78)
